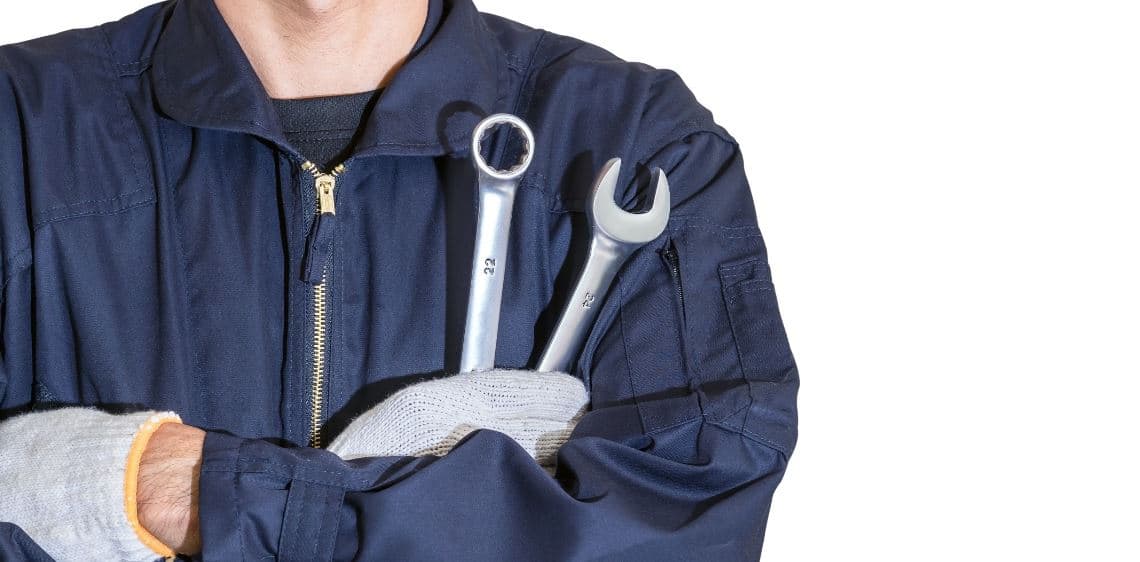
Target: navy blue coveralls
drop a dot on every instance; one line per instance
(153, 227)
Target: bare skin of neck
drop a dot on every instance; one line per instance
(310, 48)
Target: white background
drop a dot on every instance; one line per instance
(949, 195)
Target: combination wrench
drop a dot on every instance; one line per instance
(496, 197)
(615, 235)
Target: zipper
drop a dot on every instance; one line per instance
(673, 262)
(317, 249)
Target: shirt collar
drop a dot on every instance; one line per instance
(455, 75)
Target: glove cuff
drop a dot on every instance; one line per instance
(131, 480)
(74, 472)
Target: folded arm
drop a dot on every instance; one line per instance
(692, 420)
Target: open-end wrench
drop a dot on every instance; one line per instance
(616, 234)
(496, 198)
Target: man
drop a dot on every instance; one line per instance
(168, 263)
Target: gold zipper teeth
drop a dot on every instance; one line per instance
(319, 329)
(320, 320)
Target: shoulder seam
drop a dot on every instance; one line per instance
(528, 76)
(684, 130)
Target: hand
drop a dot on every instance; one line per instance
(537, 410)
(168, 486)
(63, 478)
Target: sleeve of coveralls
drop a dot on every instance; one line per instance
(693, 418)
(15, 294)
(15, 257)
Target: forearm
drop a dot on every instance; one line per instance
(691, 484)
(69, 481)
(168, 475)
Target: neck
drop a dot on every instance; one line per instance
(309, 48)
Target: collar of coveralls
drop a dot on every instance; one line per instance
(455, 75)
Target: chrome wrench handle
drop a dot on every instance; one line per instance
(604, 259)
(495, 200)
(616, 234)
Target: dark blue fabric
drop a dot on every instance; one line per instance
(152, 231)
(323, 128)
(16, 545)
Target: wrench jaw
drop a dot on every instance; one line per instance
(616, 234)
(620, 225)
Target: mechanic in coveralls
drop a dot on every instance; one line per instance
(188, 369)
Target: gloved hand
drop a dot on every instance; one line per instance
(68, 477)
(537, 410)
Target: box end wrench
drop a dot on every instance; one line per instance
(616, 234)
(495, 200)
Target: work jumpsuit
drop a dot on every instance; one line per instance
(155, 226)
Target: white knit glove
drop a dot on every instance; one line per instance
(537, 410)
(63, 481)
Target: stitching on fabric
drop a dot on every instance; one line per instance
(500, 84)
(297, 496)
(234, 499)
(296, 325)
(527, 77)
(237, 517)
(730, 310)
(287, 472)
(751, 286)
(175, 102)
(134, 67)
(132, 138)
(78, 203)
(710, 224)
(320, 134)
(752, 436)
(322, 520)
(128, 69)
(746, 264)
(334, 518)
(725, 417)
(524, 80)
(692, 419)
(719, 422)
(678, 228)
(543, 34)
(183, 257)
(142, 203)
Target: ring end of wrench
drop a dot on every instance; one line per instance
(477, 144)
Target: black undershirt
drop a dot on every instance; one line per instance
(325, 129)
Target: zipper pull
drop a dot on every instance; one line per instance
(318, 244)
(326, 183)
(673, 262)
(317, 247)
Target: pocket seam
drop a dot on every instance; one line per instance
(746, 287)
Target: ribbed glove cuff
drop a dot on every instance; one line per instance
(69, 478)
